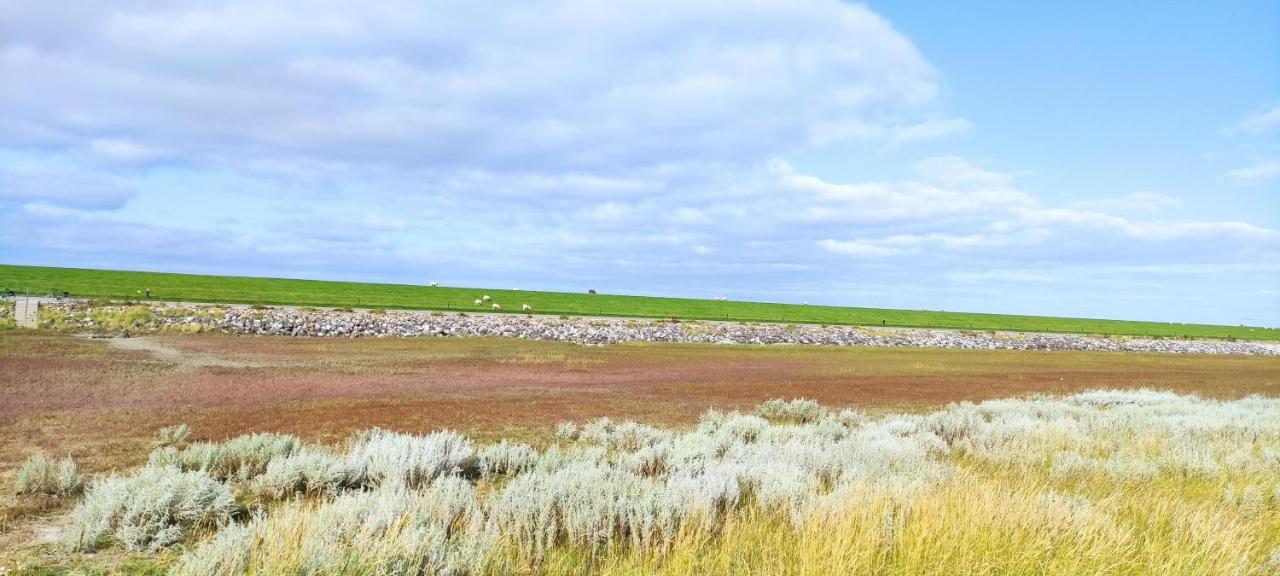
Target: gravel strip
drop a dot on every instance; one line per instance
(303, 322)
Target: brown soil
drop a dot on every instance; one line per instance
(103, 403)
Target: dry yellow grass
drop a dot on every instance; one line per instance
(972, 525)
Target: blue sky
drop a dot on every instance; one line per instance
(1096, 160)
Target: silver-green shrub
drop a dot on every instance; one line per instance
(408, 503)
(175, 436)
(380, 457)
(389, 530)
(148, 510)
(239, 458)
(506, 458)
(309, 471)
(621, 435)
(42, 475)
(567, 431)
(798, 411)
(227, 552)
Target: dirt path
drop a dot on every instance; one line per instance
(160, 351)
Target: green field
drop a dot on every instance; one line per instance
(275, 291)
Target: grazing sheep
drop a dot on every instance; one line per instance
(433, 284)
(527, 308)
(805, 303)
(479, 301)
(485, 298)
(497, 307)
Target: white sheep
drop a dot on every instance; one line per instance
(433, 284)
(527, 308)
(479, 301)
(485, 298)
(497, 307)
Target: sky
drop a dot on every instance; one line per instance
(1101, 159)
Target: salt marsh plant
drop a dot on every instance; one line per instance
(307, 472)
(388, 530)
(505, 458)
(41, 475)
(380, 457)
(239, 458)
(798, 411)
(1105, 482)
(175, 436)
(148, 510)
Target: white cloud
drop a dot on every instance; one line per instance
(460, 84)
(559, 142)
(607, 212)
(899, 244)
(1013, 226)
(988, 277)
(1136, 202)
(1259, 173)
(52, 211)
(124, 150)
(932, 129)
(384, 224)
(1260, 123)
(59, 184)
(860, 248)
(891, 201)
(687, 215)
(956, 171)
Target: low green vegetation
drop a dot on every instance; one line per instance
(132, 317)
(7, 321)
(122, 285)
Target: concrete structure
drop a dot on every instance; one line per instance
(27, 312)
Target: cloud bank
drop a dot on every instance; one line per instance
(627, 146)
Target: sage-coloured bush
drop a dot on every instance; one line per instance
(307, 472)
(1155, 482)
(379, 457)
(41, 475)
(175, 436)
(389, 530)
(239, 458)
(798, 411)
(505, 458)
(148, 510)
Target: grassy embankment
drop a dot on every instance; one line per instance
(275, 291)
